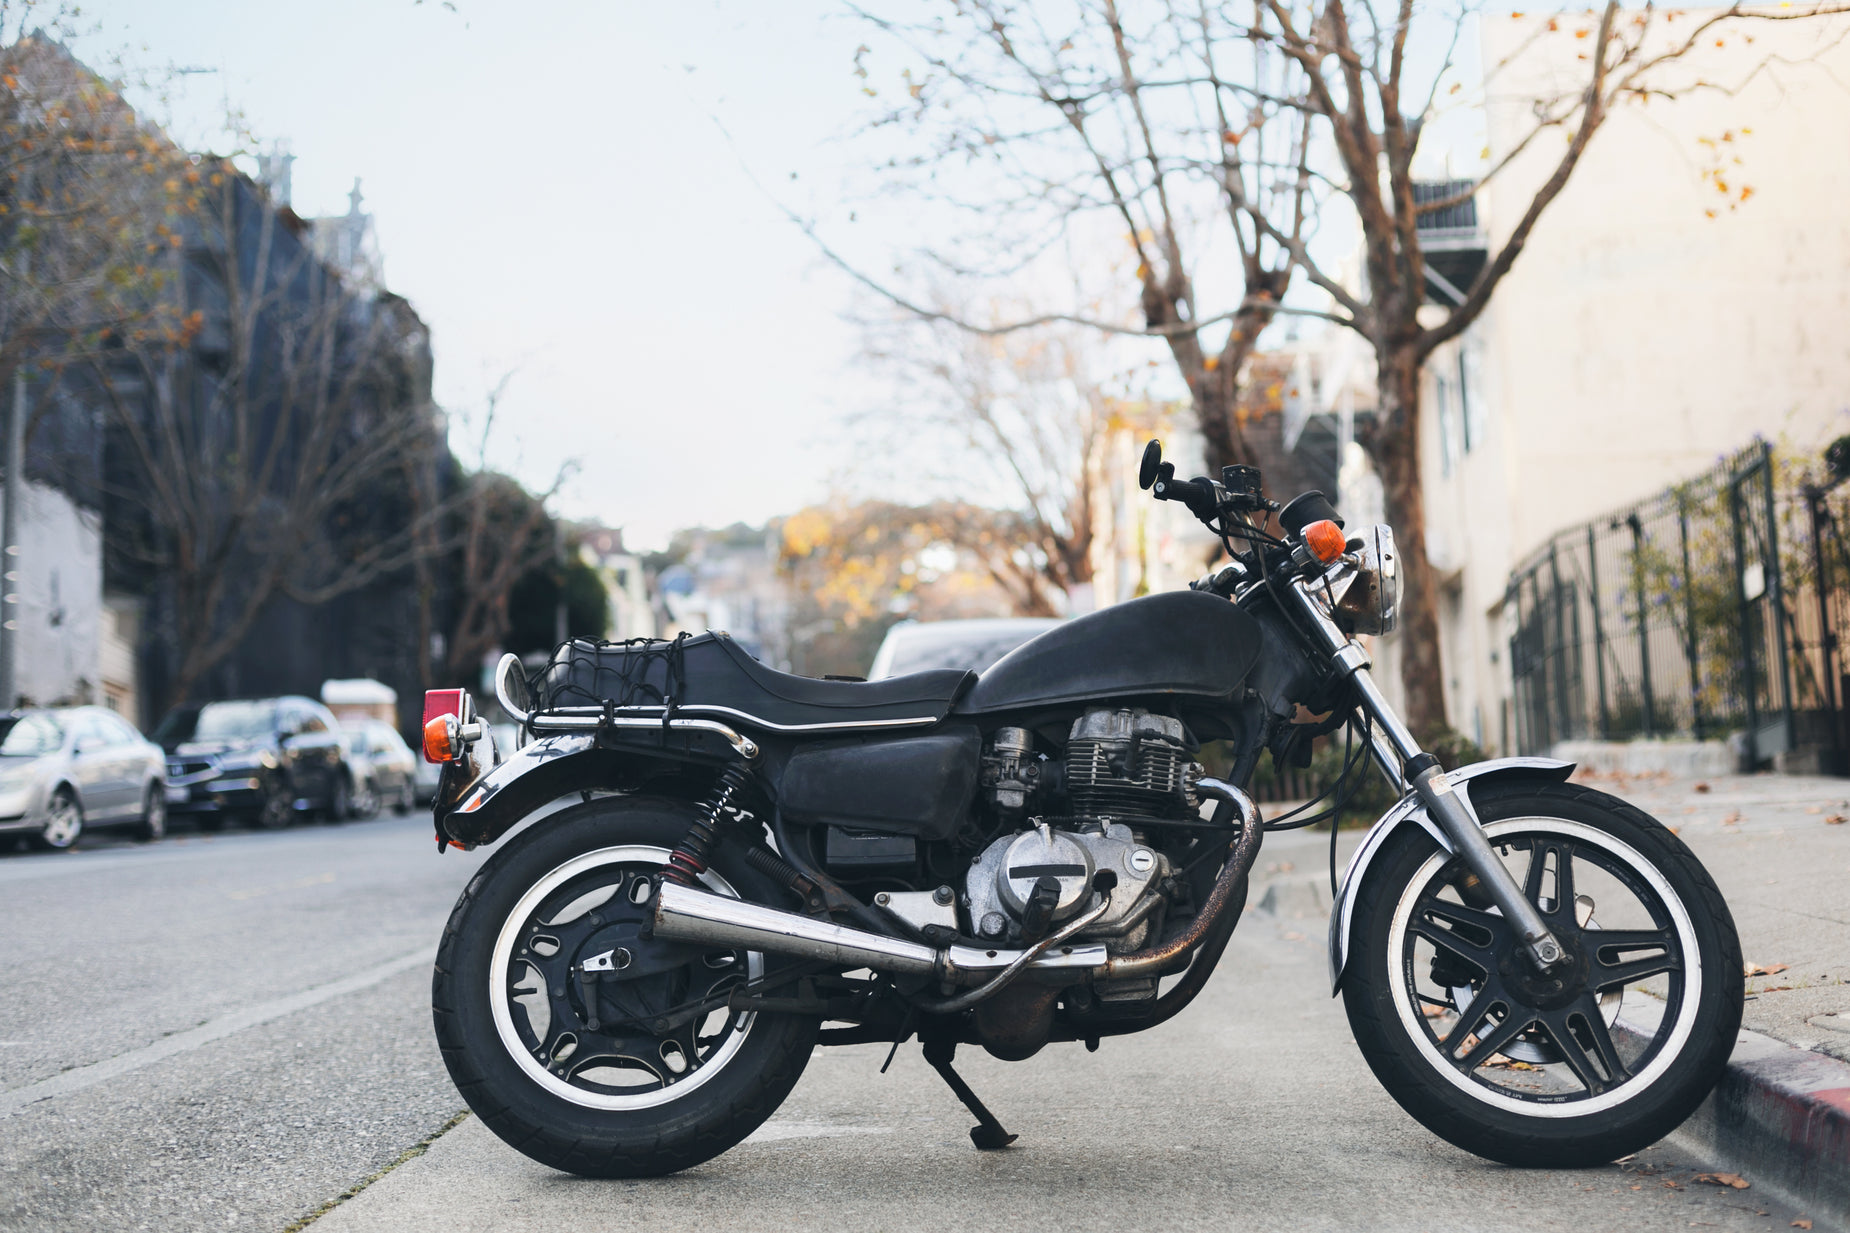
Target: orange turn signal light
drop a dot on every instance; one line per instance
(1324, 539)
(441, 738)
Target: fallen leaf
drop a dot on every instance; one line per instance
(1733, 818)
(1803, 1222)
(1778, 989)
(1771, 969)
(1670, 1185)
(1723, 1179)
(1674, 830)
(1702, 787)
(1836, 819)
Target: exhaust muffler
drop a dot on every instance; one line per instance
(683, 914)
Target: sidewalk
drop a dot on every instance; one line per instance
(1779, 848)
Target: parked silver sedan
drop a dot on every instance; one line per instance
(64, 770)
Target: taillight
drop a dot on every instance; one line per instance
(447, 723)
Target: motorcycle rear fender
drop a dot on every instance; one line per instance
(534, 776)
(1410, 807)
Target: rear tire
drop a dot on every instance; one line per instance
(571, 1123)
(1499, 1060)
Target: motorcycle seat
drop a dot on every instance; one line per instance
(712, 676)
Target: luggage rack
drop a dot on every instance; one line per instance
(592, 718)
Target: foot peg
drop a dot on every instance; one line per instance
(988, 1134)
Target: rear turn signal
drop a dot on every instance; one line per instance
(441, 739)
(1324, 539)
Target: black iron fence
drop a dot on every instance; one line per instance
(1697, 613)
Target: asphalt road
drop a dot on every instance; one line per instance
(287, 973)
(228, 1032)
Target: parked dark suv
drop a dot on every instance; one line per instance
(264, 759)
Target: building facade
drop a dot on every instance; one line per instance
(1683, 295)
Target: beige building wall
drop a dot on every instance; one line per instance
(1655, 322)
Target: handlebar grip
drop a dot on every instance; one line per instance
(1192, 493)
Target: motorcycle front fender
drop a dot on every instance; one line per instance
(1410, 807)
(534, 776)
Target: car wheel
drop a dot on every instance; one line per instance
(340, 800)
(153, 823)
(407, 799)
(278, 807)
(64, 823)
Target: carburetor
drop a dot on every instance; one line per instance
(1011, 772)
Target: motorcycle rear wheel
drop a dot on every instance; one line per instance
(1535, 1069)
(618, 1099)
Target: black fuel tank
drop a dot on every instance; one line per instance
(1180, 642)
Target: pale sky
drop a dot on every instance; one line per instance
(553, 194)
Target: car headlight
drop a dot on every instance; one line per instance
(245, 760)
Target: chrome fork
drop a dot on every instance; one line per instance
(1410, 768)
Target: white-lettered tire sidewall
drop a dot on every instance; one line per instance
(595, 1142)
(1514, 1138)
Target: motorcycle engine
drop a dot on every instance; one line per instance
(1000, 889)
(1131, 762)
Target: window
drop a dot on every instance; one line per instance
(1446, 421)
(120, 730)
(29, 736)
(1470, 394)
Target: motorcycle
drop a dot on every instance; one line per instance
(724, 866)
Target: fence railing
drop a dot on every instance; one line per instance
(1669, 618)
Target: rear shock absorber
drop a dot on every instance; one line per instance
(689, 858)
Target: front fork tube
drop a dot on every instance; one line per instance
(1410, 768)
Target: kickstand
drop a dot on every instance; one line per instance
(988, 1134)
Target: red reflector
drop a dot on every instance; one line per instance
(442, 702)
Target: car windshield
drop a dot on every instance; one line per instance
(923, 648)
(218, 720)
(29, 736)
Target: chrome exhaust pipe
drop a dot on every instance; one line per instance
(683, 914)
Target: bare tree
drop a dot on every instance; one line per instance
(259, 412)
(1369, 107)
(1053, 126)
(85, 191)
(1020, 418)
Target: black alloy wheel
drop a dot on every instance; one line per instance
(1603, 1054)
(582, 1043)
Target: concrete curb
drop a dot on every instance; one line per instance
(1781, 1116)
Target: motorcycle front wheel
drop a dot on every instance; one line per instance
(1600, 1056)
(641, 1071)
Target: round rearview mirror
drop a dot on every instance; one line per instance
(511, 688)
(1152, 460)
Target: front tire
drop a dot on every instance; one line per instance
(510, 1008)
(1528, 1068)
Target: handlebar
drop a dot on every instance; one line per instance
(1197, 494)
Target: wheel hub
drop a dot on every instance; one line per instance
(1561, 985)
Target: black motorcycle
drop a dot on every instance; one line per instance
(722, 858)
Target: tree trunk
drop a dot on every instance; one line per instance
(1394, 446)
